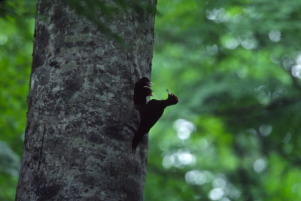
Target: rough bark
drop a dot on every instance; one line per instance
(80, 107)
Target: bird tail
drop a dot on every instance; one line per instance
(136, 140)
(135, 143)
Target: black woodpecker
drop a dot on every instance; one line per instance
(142, 91)
(151, 111)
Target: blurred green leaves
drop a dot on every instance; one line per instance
(16, 36)
(235, 67)
(9, 171)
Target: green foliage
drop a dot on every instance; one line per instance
(16, 35)
(235, 66)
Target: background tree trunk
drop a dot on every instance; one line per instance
(80, 107)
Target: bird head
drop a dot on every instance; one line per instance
(145, 85)
(141, 91)
(172, 99)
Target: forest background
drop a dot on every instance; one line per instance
(236, 67)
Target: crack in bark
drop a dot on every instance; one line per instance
(41, 149)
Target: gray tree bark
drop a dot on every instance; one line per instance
(80, 106)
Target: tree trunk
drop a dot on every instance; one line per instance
(80, 106)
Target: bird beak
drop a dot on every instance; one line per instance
(168, 92)
(148, 85)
